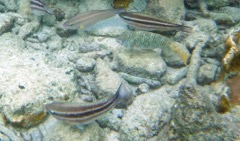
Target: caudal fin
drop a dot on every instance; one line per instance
(186, 29)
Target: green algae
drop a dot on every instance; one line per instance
(121, 3)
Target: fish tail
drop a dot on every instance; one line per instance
(122, 92)
(186, 29)
(49, 11)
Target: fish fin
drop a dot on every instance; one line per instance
(131, 27)
(50, 11)
(122, 92)
(165, 33)
(186, 29)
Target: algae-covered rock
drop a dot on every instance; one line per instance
(195, 118)
(121, 3)
(6, 23)
(232, 12)
(217, 3)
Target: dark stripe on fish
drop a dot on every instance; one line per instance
(87, 19)
(40, 6)
(37, 3)
(84, 113)
(150, 23)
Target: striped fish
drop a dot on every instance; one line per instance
(87, 19)
(82, 114)
(39, 8)
(147, 23)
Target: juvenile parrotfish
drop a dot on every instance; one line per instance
(87, 19)
(144, 40)
(82, 114)
(148, 23)
(39, 8)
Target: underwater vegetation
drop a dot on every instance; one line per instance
(231, 68)
(230, 73)
(27, 120)
(231, 60)
(234, 84)
(121, 3)
(224, 105)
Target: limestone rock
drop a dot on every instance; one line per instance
(207, 73)
(85, 64)
(173, 76)
(147, 116)
(28, 29)
(28, 83)
(63, 131)
(107, 80)
(140, 80)
(11, 5)
(142, 64)
(193, 108)
(170, 10)
(55, 43)
(6, 23)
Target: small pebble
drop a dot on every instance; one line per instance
(143, 88)
(118, 112)
(207, 73)
(85, 64)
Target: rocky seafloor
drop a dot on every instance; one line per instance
(169, 99)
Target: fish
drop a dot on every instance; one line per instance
(87, 19)
(39, 8)
(82, 114)
(145, 22)
(144, 40)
